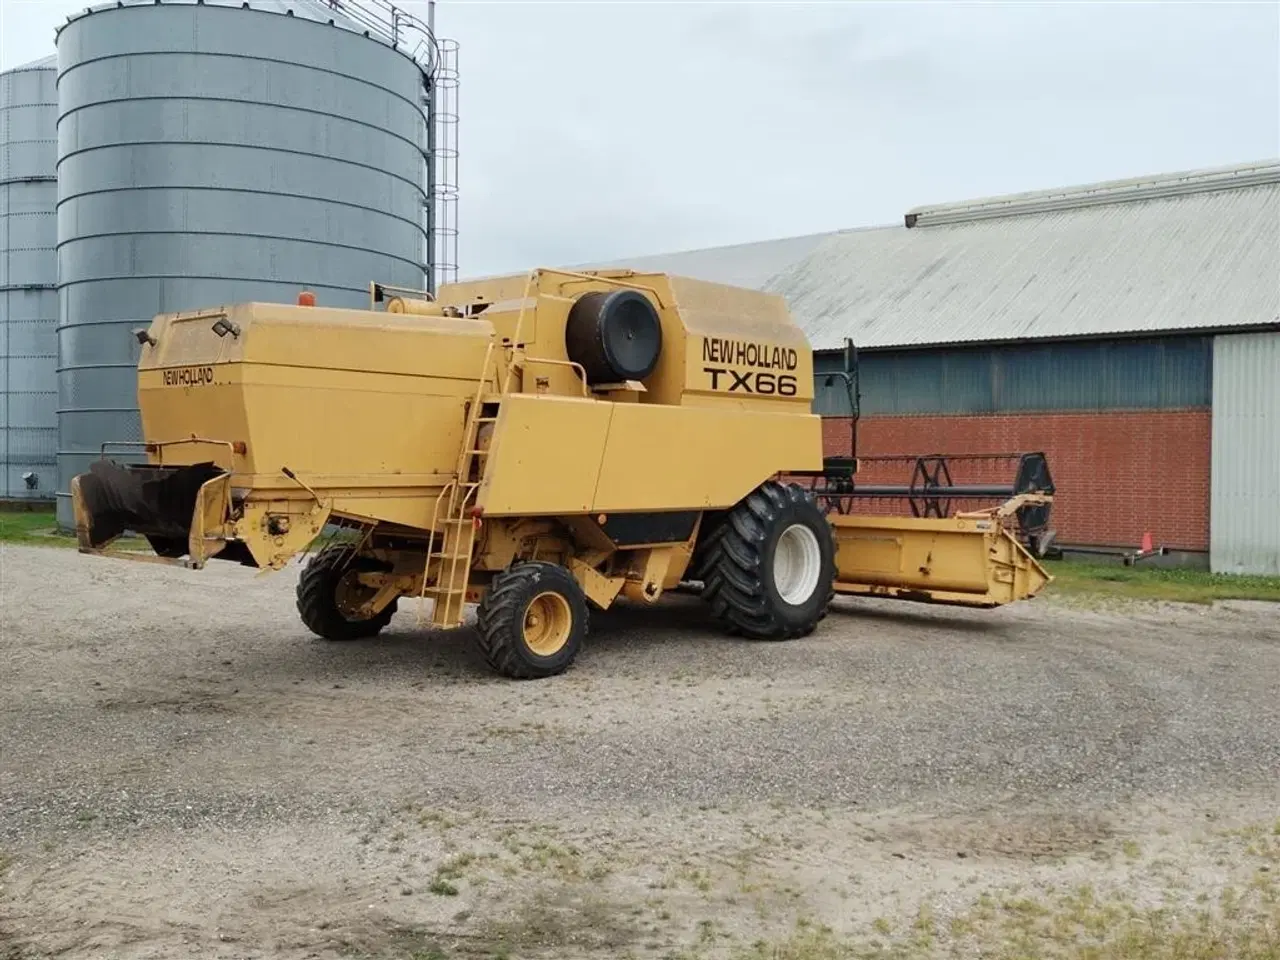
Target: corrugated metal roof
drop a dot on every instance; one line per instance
(1200, 261)
(1195, 250)
(1097, 194)
(750, 265)
(1187, 251)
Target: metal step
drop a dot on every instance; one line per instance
(445, 591)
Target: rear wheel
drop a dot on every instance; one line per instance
(768, 568)
(532, 621)
(329, 594)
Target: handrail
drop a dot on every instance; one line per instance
(577, 367)
(515, 336)
(598, 279)
(393, 25)
(157, 446)
(376, 291)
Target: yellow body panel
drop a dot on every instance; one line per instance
(710, 332)
(368, 407)
(558, 455)
(704, 456)
(958, 560)
(546, 457)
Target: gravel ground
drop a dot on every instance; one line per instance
(186, 772)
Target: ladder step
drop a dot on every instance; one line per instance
(445, 591)
(448, 556)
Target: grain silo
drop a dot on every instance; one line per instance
(28, 274)
(218, 151)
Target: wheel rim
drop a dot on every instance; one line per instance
(548, 622)
(350, 594)
(797, 564)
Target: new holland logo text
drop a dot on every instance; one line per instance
(765, 358)
(188, 377)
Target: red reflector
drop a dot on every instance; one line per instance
(306, 299)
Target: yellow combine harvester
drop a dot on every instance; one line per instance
(536, 444)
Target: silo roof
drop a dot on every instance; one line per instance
(353, 15)
(320, 11)
(44, 63)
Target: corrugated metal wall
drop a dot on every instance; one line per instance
(1244, 499)
(1151, 373)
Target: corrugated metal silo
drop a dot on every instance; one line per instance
(210, 153)
(28, 274)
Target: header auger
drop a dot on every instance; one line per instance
(537, 444)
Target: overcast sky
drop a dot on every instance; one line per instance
(602, 130)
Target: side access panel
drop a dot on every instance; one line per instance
(696, 457)
(960, 561)
(565, 455)
(546, 456)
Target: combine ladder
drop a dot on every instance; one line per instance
(453, 508)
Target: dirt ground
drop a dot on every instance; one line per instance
(186, 772)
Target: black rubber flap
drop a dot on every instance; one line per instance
(153, 501)
(615, 335)
(1033, 477)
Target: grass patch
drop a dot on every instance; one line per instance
(438, 818)
(565, 923)
(443, 888)
(1240, 924)
(39, 528)
(533, 852)
(809, 942)
(1155, 583)
(449, 873)
(33, 528)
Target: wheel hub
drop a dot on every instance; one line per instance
(350, 595)
(548, 622)
(797, 564)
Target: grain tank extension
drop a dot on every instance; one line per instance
(538, 444)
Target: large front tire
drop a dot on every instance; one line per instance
(532, 621)
(768, 568)
(328, 590)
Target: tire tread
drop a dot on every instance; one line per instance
(500, 612)
(315, 599)
(731, 565)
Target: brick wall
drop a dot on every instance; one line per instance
(1117, 473)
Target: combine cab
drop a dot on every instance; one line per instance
(538, 445)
